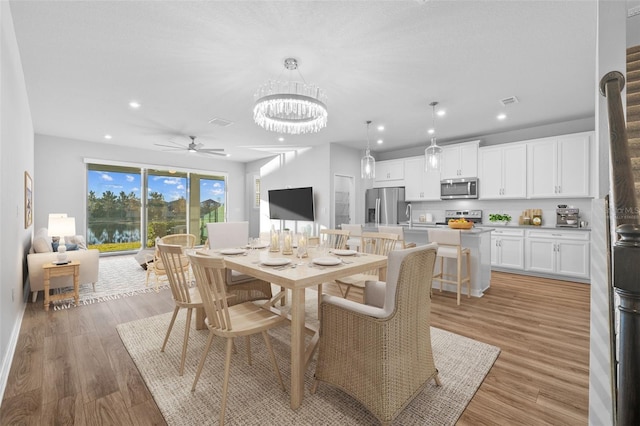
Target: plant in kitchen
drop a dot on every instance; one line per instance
(497, 217)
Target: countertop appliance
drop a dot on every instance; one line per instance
(458, 188)
(385, 206)
(474, 216)
(567, 217)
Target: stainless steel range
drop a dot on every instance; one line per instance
(474, 216)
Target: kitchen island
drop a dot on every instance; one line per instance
(477, 240)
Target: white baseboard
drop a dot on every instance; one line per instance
(8, 355)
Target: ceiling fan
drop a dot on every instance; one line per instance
(193, 147)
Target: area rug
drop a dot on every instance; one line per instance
(255, 397)
(118, 276)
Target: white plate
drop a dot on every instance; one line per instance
(233, 251)
(259, 246)
(276, 261)
(327, 261)
(344, 252)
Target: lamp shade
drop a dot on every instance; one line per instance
(61, 227)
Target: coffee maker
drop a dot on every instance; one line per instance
(567, 217)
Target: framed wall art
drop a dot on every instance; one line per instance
(28, 200)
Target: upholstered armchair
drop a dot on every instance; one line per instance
(380, 352)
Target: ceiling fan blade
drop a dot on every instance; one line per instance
(178, 147)
(211, 150)
(214, 152)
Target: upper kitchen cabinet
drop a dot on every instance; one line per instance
(420, 185)
(559, 167)
(503, 171)
(389, 173)
(460, 160)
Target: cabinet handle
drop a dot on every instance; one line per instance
(559, 189)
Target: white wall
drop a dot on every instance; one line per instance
(16, 157)
(61, 175)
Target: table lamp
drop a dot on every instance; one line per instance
(61, 227)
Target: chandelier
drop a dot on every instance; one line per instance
(292, 107)
(433, 153)
(368, 163)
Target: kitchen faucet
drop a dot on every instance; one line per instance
(409, 215)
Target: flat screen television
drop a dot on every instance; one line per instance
(291, 204)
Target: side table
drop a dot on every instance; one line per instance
(52, 270)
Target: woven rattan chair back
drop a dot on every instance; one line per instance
(334, 238)
(383, 362)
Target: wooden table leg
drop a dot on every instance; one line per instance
(297, 346)
(46, 289)
(76, 284)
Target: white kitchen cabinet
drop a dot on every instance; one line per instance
(558, 252)
(389, 173)
(460, 160)
(507, 248)
(559, 167)
(503, 171)
(420, 185)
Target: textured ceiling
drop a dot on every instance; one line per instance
(188, 62)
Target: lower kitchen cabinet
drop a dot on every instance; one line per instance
(507, 248)
(557, 252)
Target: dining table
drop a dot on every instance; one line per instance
(296, 274)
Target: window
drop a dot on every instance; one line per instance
(176, 202)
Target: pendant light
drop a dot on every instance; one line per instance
(433, 153)
(368, 163)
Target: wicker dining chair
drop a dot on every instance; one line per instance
(380, 352)
(372, 243)
(184, 296)
(229, 321)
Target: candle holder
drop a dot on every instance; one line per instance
(287, 242)
(274, 246)
(303, 242)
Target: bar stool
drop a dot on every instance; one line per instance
(449, 246)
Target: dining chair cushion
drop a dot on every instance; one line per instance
(360, 308)
(374, 292)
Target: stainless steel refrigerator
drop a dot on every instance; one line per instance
(385, 206)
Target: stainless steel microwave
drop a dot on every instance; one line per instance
(458, 188)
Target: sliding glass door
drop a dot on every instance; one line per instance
(175, 202)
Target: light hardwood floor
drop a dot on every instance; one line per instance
(70, 366)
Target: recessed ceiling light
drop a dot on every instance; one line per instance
(380, 141)
(134, 104)
(380, 128)
(431, 131)
(441, 113)
(107, 136)
(502, 116)
(281, 139)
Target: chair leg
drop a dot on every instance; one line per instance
(469, 275)
(202, 359)
(248, 339)
(225, 382)
(314, 386)
(34, 296)
(173, 320)
(283, 301)
(441, 272)
(437, 379)
(146, 281)
(186, 340)
(272, 355)
(459, 283)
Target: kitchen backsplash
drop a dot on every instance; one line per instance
(513, 208)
